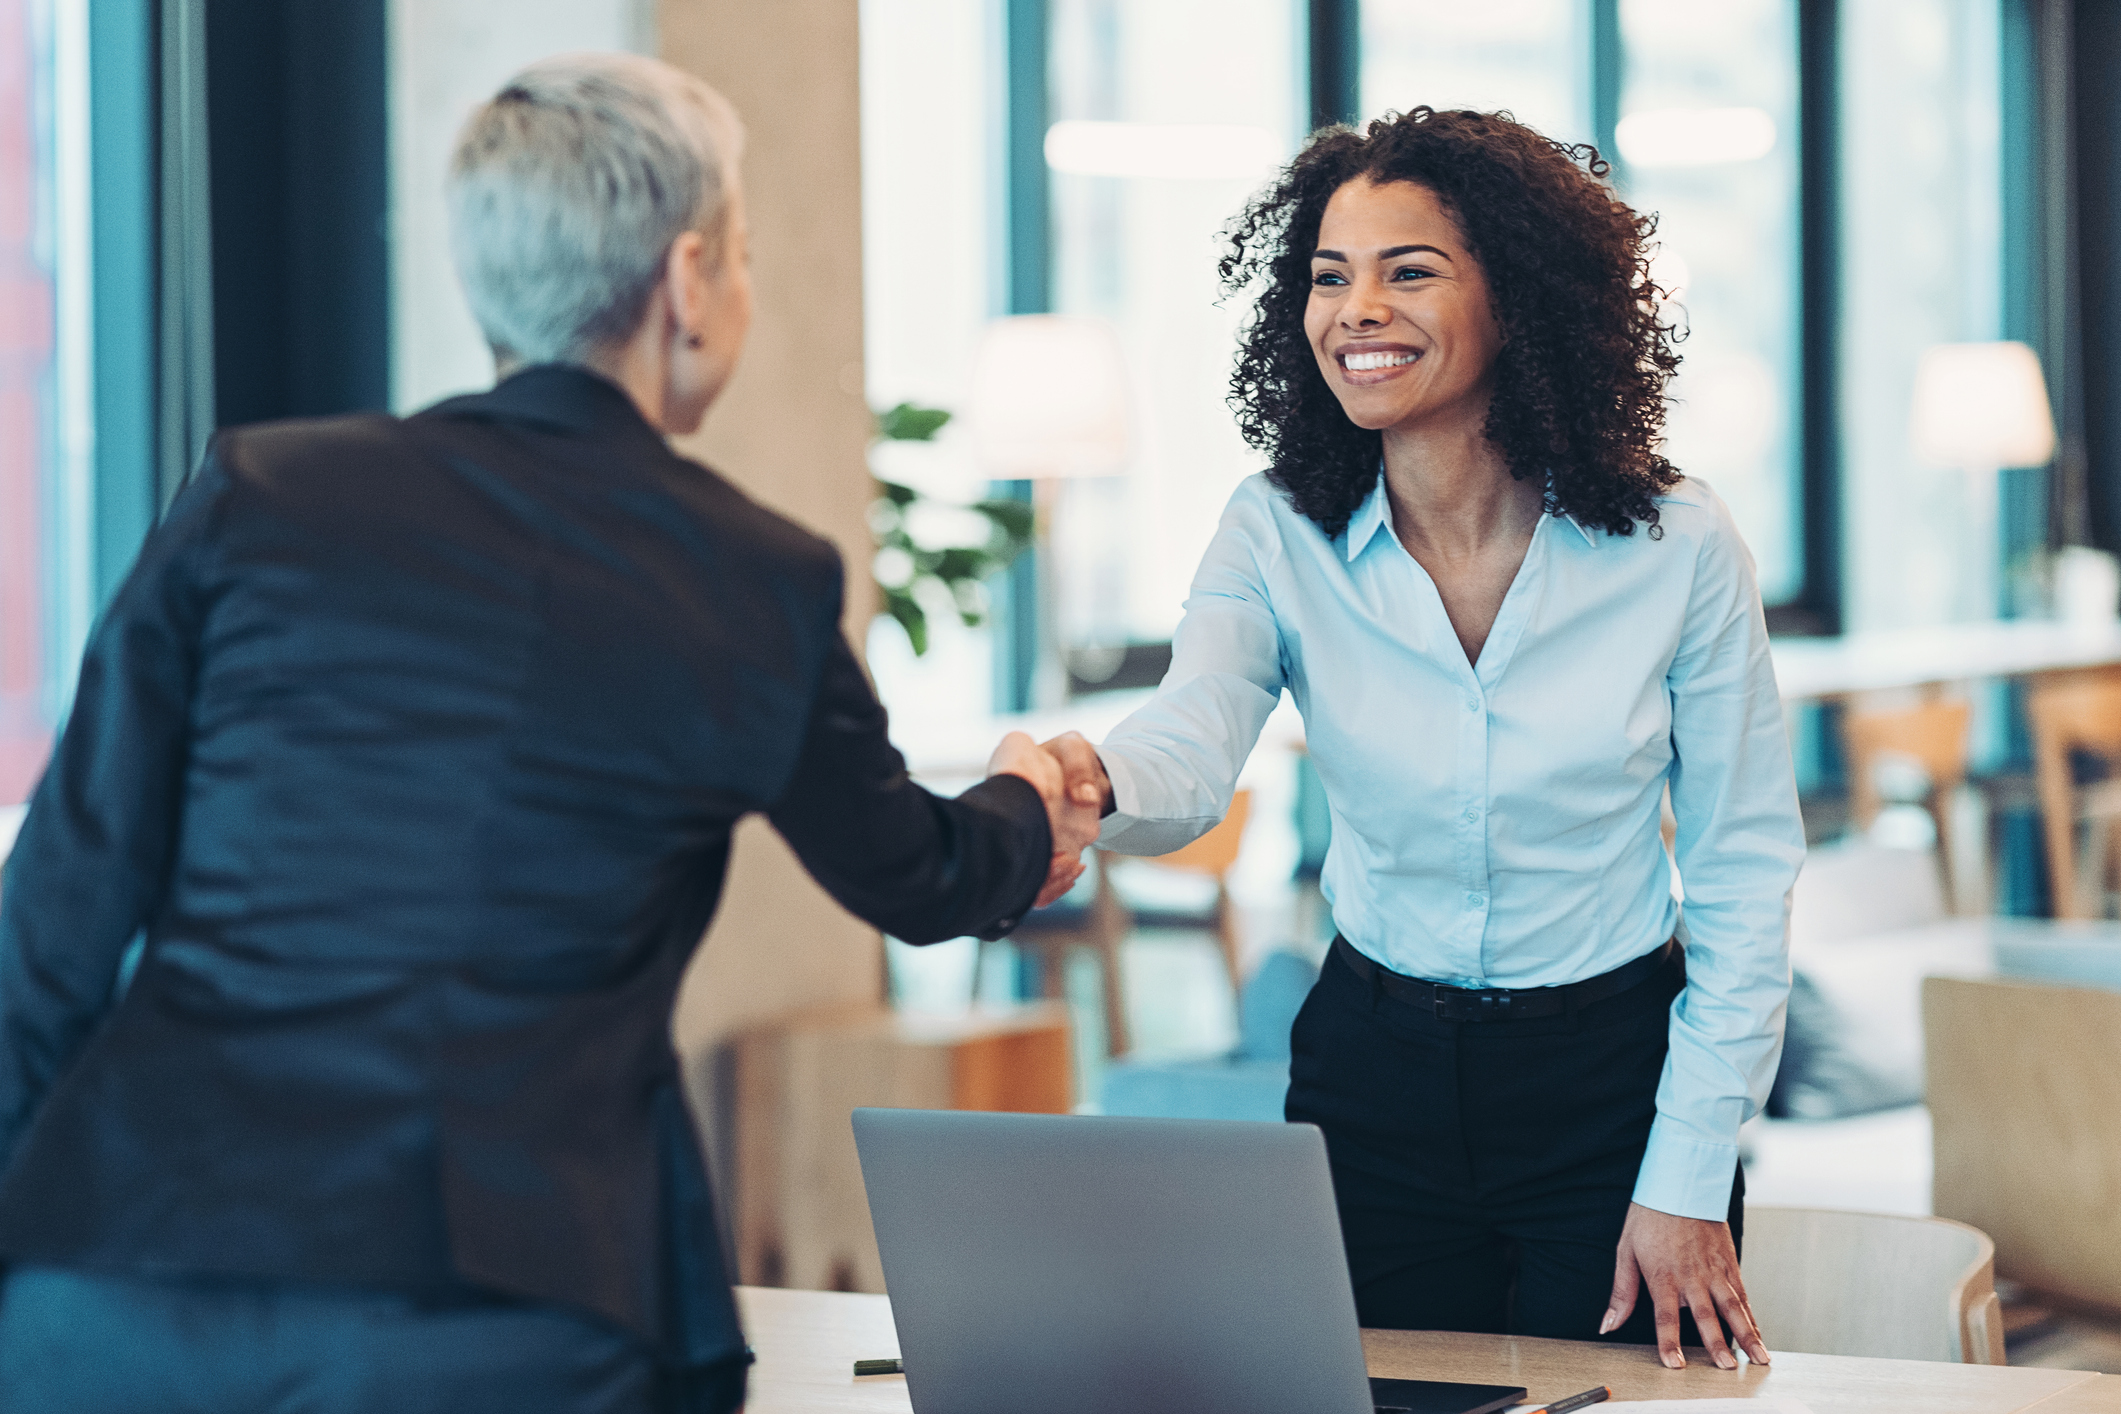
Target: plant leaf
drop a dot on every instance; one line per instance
(1016, 519)
(909, 422)
(901, 605)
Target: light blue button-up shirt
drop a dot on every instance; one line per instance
(1498, 824)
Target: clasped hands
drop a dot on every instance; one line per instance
(1072, 782)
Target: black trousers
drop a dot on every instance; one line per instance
(1484, 1169)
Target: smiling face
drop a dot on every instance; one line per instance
(1399, 317)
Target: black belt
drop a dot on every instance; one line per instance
(1502, 1003)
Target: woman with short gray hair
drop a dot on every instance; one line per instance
(410, 751)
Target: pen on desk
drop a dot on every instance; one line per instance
(879, 1367)
(1574, 1401)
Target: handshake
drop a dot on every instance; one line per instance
(1070, 778)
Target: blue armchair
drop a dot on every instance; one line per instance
(1248, 1083)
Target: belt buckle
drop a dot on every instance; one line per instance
(1463, 1004)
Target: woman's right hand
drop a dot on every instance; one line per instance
(1084, 771)
(1071, 808)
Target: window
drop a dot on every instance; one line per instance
(45, 482)
(931, 229)
(1921, 192)
(1707, 139)
(1527, 56)
(1149, 159)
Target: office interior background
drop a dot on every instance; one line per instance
(220, 211)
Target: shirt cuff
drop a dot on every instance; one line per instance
(1127, 830)
(1126, 798)
(1685, 1176)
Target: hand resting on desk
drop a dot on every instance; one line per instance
(1690, 1264)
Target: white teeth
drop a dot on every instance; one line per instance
(1364, 362)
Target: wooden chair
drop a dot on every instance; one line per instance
(1103, 921)
(1831, 1283)
(1213, 855)
(1934, 735)
(2024, 1084)
(1099, 923)
(2070, 715)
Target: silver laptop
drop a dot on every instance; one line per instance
(1062, 1264)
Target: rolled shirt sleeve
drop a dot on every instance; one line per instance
(1740, 844)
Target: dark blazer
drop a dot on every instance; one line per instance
(412, 749)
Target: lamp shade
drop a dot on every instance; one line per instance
(1981, 406)
(1049, 399)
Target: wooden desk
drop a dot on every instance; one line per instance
(808, 1341)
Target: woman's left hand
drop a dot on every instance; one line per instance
(1687, 1264)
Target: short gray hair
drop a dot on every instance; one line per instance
(567, 189)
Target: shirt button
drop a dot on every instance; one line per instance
(1472, 704)
(1476, 899)
(1471, 816)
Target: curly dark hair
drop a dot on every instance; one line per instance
(1579, 383)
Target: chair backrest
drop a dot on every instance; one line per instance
(1267, 1007)
(2024, 1083)
(1214, 852)
(1824, 1282)
(2077, 713)
(1932, 733)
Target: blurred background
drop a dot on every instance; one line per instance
(991, 364)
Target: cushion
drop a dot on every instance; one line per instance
(1854, 1038)
(1249, 1083)
(1209, 1089)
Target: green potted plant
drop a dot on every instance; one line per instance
(909, 562)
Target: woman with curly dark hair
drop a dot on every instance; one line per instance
(1511, 626)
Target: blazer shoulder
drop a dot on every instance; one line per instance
(277, 451)
(762, 532)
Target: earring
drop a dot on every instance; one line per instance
(695, 341)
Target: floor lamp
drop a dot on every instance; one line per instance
(1979, 408)
(1049, 404)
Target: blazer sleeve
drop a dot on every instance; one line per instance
(920, 867)
(93, 860)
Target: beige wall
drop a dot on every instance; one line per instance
(792, 430)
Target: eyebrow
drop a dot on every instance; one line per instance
(1386, 254)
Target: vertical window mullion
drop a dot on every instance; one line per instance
(1029, 290)
(1819, 312)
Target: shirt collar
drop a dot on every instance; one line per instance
(1371, 515)
(562, 397)
(1581, 529)
(1369, 518)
